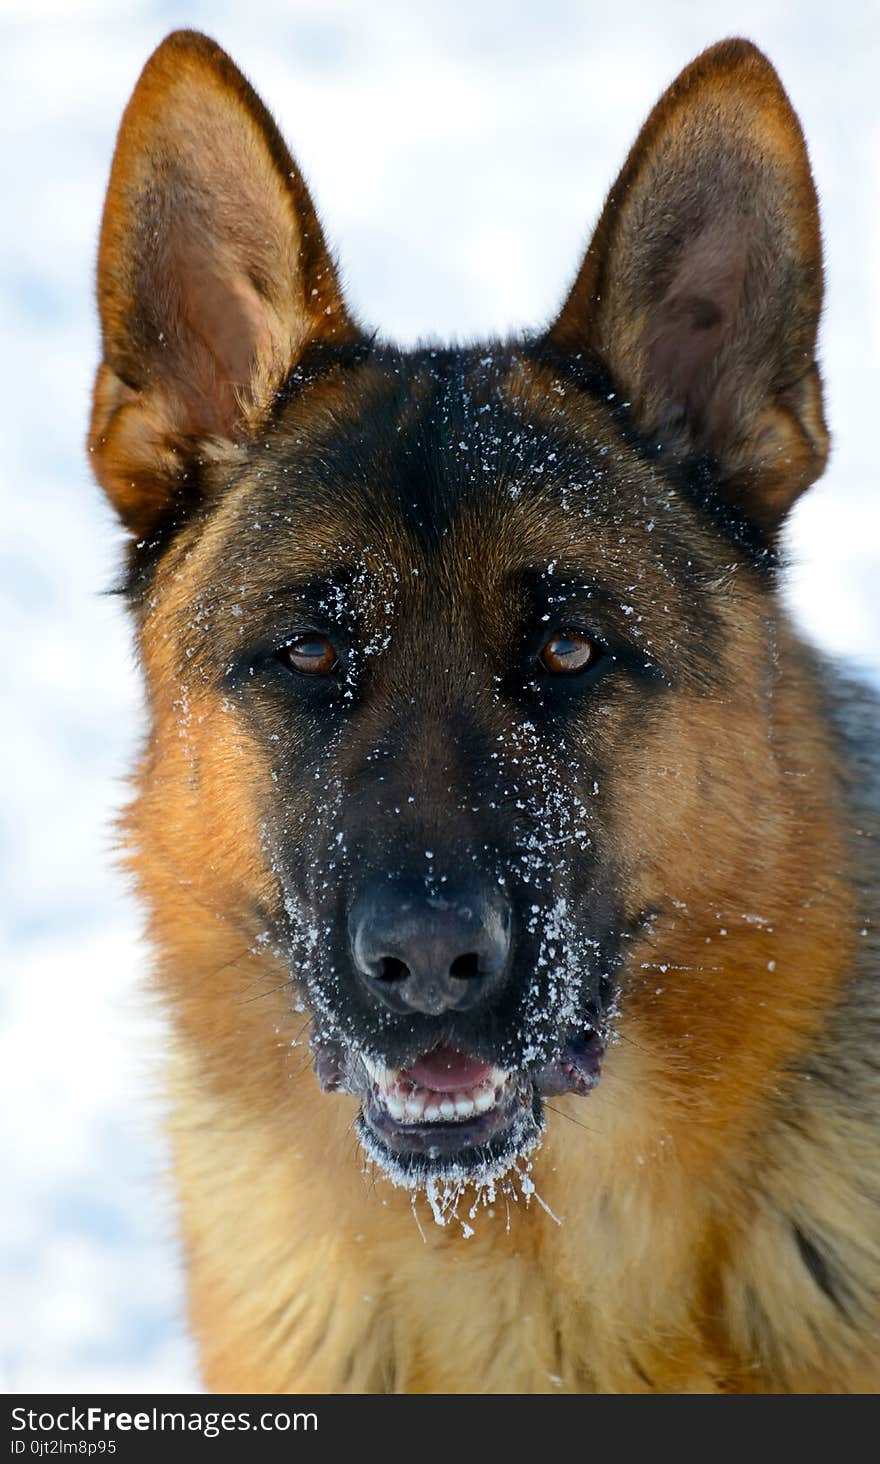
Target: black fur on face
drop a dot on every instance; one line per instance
(434, 519)
(481, 643)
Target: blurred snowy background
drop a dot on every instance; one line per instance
(458, 153)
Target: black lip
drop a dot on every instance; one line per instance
(578, 1067)
(471, 1149)
(466, 1149)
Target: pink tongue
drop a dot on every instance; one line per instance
(444, 1070)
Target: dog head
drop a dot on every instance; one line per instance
(459, 659)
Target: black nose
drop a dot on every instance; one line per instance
(431, 954)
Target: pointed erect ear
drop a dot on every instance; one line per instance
(213, 278)
(701, 290)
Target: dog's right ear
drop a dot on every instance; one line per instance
(213, 278)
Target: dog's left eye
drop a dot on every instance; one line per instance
(311, 655)
(568, 652)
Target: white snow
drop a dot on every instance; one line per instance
(458, 154)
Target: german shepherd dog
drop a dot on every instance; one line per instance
(507, 854)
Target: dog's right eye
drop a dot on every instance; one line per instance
(310, 655)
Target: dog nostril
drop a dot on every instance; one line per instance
(390, 969)
(413, 954)
(465, 967)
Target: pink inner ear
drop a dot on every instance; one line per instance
(696, 317)
(229, 333)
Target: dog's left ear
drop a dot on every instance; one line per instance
(701, 290)
(213, 279)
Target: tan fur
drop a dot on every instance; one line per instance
(644, 1179)
(725, 125)
(660, 1253)
(209, 226)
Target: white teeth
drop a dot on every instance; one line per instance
(410, 1103)
(382, 1076)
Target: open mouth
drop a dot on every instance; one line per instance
(446, 1110)
(450, 1115)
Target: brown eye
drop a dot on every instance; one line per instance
(568, 652)
(313, 655)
